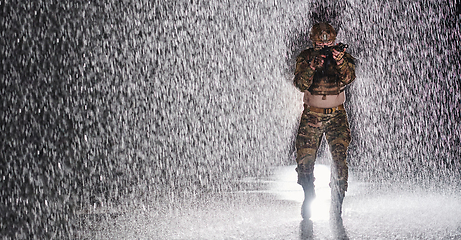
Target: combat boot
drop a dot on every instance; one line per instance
(338, 191)
(307, 182)
(336, 221)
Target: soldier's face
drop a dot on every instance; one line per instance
(323, 44)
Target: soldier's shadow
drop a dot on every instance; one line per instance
(307, 230)
(338, 230)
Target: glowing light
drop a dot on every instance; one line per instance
(321, 205)
(286, 187)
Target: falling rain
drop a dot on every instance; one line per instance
(129, 111)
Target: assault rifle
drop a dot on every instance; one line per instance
(327, 51)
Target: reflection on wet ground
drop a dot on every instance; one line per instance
(274, 213)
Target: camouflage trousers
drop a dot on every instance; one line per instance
(336, 129)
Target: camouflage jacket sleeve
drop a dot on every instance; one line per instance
(346, 70)
(303, 73)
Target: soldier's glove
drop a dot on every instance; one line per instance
(317, 62)
(338, 56)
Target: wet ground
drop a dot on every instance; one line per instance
(274, 213)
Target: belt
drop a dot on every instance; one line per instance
(326, 110)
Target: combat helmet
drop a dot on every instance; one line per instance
(322, 32)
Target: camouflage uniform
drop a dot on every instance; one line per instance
(328, 78)
(313, 125)
(311, 129)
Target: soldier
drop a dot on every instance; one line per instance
(322, 73)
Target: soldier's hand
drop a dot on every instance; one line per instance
(338, 56)
(317, 62)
